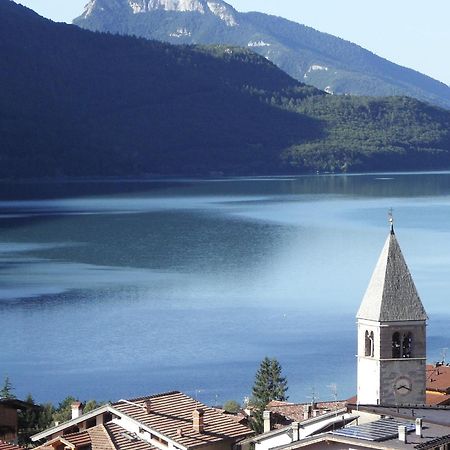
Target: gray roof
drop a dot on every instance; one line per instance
(439, 415)
(391, 295)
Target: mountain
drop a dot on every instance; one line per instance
(79, 103)
(75, 102)
(316, 58)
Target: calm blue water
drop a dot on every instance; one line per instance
(118, 289)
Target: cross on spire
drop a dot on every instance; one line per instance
(391, 219)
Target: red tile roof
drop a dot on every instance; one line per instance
(79, 439)
(171, 416)
(100, 438)
(124, 440)
(438, 378)
(437, 398)
(96, 437)
(294, 412)
(6, 446)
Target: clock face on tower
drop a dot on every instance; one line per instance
(403, 385)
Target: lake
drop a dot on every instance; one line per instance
(113, 289)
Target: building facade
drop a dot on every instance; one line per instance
(391, 325)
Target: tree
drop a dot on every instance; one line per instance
(32, 420)
(91, 405)
(7, 389)
(64, 411)
(232, 406)
(269, 385)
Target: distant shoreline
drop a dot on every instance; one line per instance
(180, 178)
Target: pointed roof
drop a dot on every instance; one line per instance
(391, 295)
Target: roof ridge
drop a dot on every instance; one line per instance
(145, 397)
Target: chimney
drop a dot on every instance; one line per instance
(307, 409)
(267, 419)
(402, 434)
(180, 432)
(148, 406)
(295, 431)
(419, 427)
(77, 409)
(198, 423)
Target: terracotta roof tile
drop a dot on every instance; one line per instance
(293, 412)
(100, 438)
(96, 437)
(438, 378)
(436, 398)
(124, 440)
(171, 415)
(6, 446)
(79, 439)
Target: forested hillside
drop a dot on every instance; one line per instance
(78, 103)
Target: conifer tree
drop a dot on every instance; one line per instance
(7, 389)
(269, 385)
(32, 420)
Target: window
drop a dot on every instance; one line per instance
(407, 345)
(402, 345)
(396, 346)
(91, 422)
(369, 344)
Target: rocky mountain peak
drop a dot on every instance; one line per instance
(219, 8)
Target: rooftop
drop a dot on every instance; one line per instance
(391, 295)
(171, 414)
(100, 437)
(285, 413)
(438, 378)
(6, 446)
(438, 415)
(384, 438)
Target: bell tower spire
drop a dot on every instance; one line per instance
(391, 333)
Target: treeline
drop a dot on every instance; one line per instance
(366, 133)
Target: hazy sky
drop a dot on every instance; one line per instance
(413, 33)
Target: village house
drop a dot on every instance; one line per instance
(169, 421)
(9, 408)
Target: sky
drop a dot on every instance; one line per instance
(412, 33)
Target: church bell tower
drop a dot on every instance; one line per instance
(391, 325)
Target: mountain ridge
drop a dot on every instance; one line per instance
(79, 104)
(320, 59)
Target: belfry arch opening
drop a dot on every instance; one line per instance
(402, 345)
(407, 346)
(369, 344)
